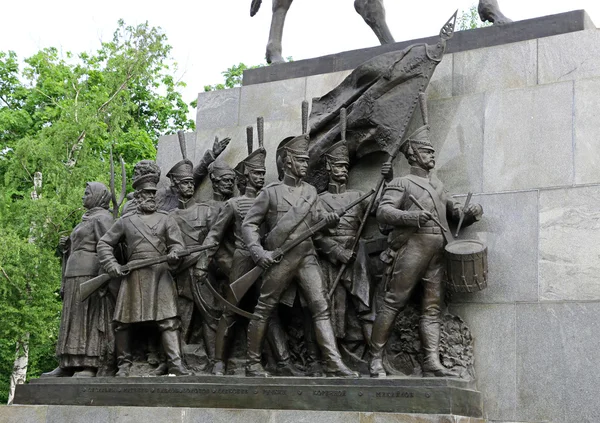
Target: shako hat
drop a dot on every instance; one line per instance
(296, 146)
(418, 139)
(254, 161)
(183, 169)
(338, 153)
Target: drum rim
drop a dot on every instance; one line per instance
(458, 241)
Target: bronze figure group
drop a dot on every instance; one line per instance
(292, 258)
(196, 267)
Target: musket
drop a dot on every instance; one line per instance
(240, 286)
(182, 144)
(87, 288)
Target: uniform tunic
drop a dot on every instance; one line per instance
(147, 294)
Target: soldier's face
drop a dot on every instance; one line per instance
(298, 166)
(185, 187)
(256, 178)
(224, 185)
(339, 172)
(428, 157)
(146, 200)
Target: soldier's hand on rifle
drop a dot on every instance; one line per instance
(220, 146)
(172, 258)
(114, 270)
(266, 260)
(387, 171)
(200, 274)
(345, 255)
(332, 219)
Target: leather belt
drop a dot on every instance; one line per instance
(429, 230)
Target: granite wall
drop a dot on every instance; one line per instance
(519, 125)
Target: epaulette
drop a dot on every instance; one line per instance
(129, 213)
(162, 212)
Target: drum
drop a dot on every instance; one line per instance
(466, 265)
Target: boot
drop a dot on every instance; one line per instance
(314, 367)
(59, 372)
(123, 352)
(256, 335)
(334, 366)
(161, 370)
(430, 340)
(222, 338)
(86, 372)
(171, 341)
(219, 368)
(384, 322)
(286, 368)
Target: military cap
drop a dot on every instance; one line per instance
(338, 153)
(146, 182)
(296, 146)
(183, 169)
(418, 139)
(219, 168)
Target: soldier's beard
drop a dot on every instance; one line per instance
(147, 206)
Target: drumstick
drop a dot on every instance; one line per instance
(437, 222)
(462, 217)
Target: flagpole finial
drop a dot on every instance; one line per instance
(447, 30)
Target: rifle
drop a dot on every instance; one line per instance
(87, 288)
(240, 286)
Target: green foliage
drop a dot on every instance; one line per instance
(469, 19)
(61, 115)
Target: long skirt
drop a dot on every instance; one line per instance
(85, 337)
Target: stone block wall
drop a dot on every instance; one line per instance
(519, 125)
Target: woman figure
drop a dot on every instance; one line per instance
(85, 340)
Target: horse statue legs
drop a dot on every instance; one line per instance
(373, 13)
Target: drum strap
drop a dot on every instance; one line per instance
(439, 207)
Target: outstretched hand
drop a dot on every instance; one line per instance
(220, 146)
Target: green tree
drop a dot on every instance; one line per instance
(469, 19)
(61, 115)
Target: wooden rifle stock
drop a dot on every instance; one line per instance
(87, 288)
(240, 286)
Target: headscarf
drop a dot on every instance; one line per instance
(100, 195)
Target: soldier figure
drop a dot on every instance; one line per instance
(288, 208)
(251, 178)
(147, 294)
(193, 219)
(336, 245)
(416, 250)
(167, 198)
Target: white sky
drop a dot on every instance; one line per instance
(210, 36)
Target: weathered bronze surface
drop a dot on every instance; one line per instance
(394, 395)
(373, 13)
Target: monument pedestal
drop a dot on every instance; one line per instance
(247, 400)
(429, 396)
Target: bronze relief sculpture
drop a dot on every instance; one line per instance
(85, 342)
(149, 294)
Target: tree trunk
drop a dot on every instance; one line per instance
(19, 373)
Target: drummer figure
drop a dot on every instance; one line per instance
(416, 250)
